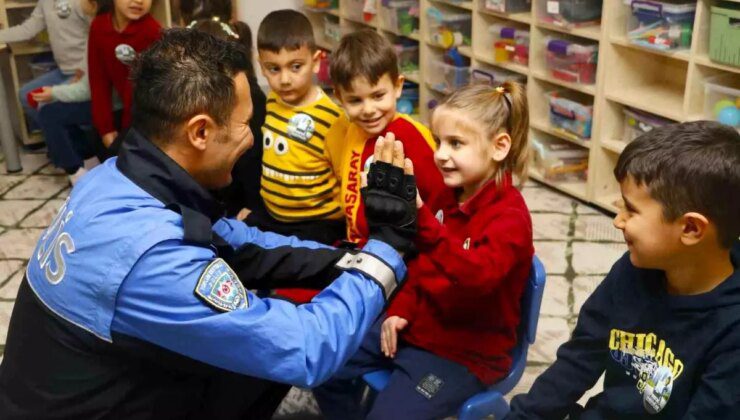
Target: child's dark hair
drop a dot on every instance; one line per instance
(499, 109)
(191, 10)
(694, 166)
(238, 32)
(287, 29)
(103, 6)
(364, 53)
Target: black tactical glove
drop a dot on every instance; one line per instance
(390, 206)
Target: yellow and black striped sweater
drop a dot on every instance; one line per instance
(298, 183)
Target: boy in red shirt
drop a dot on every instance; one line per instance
(364, 70)
(116, 37)
(457, 314)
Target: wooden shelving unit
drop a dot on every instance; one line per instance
(668, 84)
(14, 12)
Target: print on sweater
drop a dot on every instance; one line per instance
(649, 361)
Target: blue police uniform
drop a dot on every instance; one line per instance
(136, 302)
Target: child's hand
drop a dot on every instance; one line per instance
(108, 138)
(389, 334)
(77, 76)
(43, 96)
(243, 213)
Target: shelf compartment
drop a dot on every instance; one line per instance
(575, 189)
(660, 25)
(467, 5)
(448, 27)
(570, 13)
(683, 55)
(630, 81)
(400, 17)
(501, 42)
(518, 68)
(545, 127)
(590, 32)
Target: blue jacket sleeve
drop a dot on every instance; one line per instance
(271, 339)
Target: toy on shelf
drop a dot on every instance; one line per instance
(449, 30)
(570, 13)
(400, 16)
(449, 74)
(408, 55)
(570, 117)
(360, 10)
(724, 34)
(510, 44)
(559, 161)
(637, 123)
(507, 6)
(660, 24)
(722, 99)
(408, 103)
(321, 4)
(570, 61)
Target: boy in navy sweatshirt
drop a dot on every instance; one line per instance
(664, 325)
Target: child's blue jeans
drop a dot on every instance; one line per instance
(66, 141)
(54, 77)
(422, 385)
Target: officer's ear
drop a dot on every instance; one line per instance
(200, 131)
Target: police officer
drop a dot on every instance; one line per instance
(136, 300)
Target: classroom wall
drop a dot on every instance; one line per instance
(252, 12)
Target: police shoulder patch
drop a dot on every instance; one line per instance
(220, 287)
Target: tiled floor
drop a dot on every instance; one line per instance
(576, 243)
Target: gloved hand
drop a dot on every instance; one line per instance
(390, 198)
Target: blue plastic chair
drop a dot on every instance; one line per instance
(491, 401)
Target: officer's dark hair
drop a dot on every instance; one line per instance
(185, 73)
(287, 29)
(689, 167)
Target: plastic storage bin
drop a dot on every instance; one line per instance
(570, 13)
(570, 61)
(722, 99)
(408, 103)
(495, 76)
(510, 44)
(506, 6)
(724, 34)
(661, 25)
(449, 30)
(408, 56)
(637, 123)
(559, 161)
(332, 30)
(400, 16)
(446, 78)
(569, 115)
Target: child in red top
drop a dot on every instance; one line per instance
(115, 40)
(450, 330)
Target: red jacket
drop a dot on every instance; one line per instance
(462, 296)
(106, 71)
